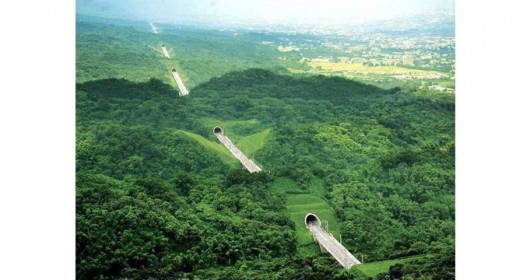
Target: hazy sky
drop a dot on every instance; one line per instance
(263, 11)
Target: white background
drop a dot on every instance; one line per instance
(37, 160)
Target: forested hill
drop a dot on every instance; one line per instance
(259, 82)
(158, 196)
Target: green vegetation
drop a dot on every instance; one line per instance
(134, 53)
(298, 205)
(157, 196)
(252, 143)
(223, 153)
(106, 51)
(203, 54)
(375, 268)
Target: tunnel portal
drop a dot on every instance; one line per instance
(217, 129)
(328, 243)
(311, 218)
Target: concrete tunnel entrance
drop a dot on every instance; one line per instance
(311, 218)
(174, 70)
(218, 129)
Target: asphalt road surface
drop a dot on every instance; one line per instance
(164, 50)
(247, 163)
(154, 28)
(332, 246)
(182, 88)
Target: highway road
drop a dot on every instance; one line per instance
(182, 88)
(164, 50)
(247, 163)
(332, 246)
(154, 28)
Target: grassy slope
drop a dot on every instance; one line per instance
(235, 129)
(248, 135)
(374, 268)
(300, 202)
(248, 144)
(252, 143)
(298, 205)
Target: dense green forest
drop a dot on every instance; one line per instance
(157, 196)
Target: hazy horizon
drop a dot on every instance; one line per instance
(258, 12)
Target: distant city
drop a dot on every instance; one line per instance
(418, 49)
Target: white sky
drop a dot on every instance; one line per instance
(264, 11)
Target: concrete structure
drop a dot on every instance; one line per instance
(328, 243)
(182, 88)
(154, 28)
(247, 163)
(164, 50)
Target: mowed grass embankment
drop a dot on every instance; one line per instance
(301, 200)
(217, 148)
(252, 143)
(248, 144)
(248, 135)
(298, 205)
(235, 129)
(373, 268)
